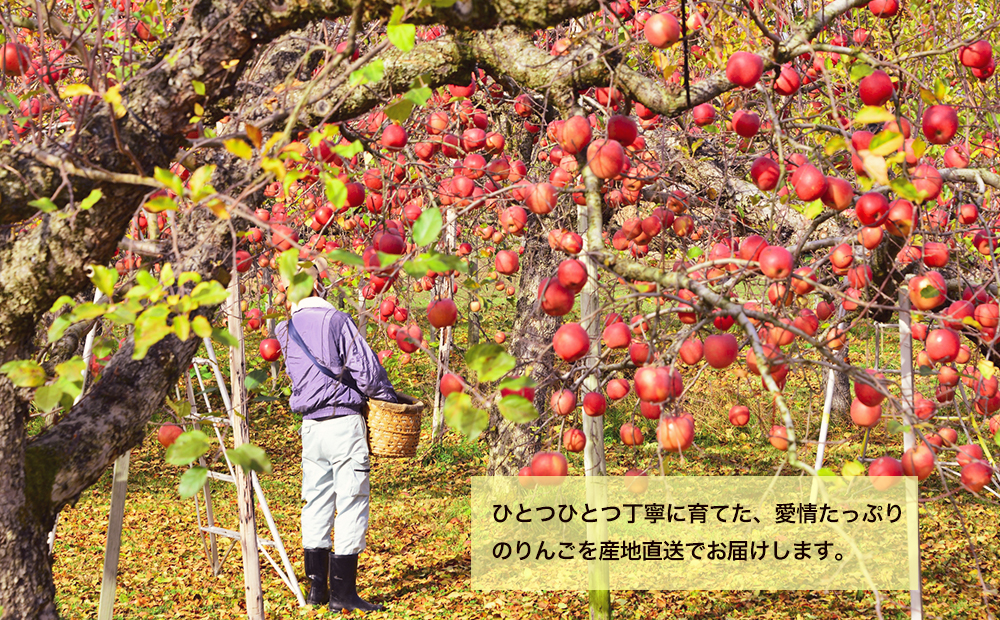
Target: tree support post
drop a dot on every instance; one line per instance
(241, 435)
(112, 550)
(909, 441)
(589, 225)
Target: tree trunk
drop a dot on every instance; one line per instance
(511, 445)
(26, 587)
(841, 406)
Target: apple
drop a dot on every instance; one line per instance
(940, 122)
(867, 394)
(871, 209)
(168, 434)
(842, 256)
(765, 173)
(969, 453)
(594, 404)
(549, 468)
(556, 300)
(662, 30)
(885, 472)
(451, 383)
(571, 342)
(957, 156)
(927, 291)
(394, 138)
(864, 415)
(675, 433)
(976, 475)
(776, 262)
(574, 440)
(639, 353)
(739, 415)
(936, 254)
(442, 313)
(884, 9)
(839, 194)
(526, 477)
(630, 434)
(942, 345)
(918, 461)
(703, 114)
(16, 58)
(809, 182)
(691, 351)
(779, 437)
(876, 89)
(788, 81)
(746, 124)
(927, 179)
(572, 274)
(617, 389)
(270, 349)
(506, 262)
(606, 158)
(899, 219)
(976, 55)
(657, 384)
(751, 247)
(744, 69)
(636, 481)
(576, 135)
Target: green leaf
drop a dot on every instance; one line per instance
(350, 149)
(860, 71)
(222, 336)
(103, 346)
(87, 311)
(104, 279)
(47, 397)
(199, 88)
(694, 252)
(904, 189)
(150, 328)
(428, 227)
(853, 468)
(169, 180)
(517, 383)
(517, 409)
(44, 205)
(182, 327)
(160, 204)
(188, 447)
(396, 17)
(929, 292)
(336, 191)
(896, 427)
(300, 287)
(873, 114)
(192, 482)
(886, 143)
(210, 293)
(813, 209)
(201, 327)
(833, 145)
(996, 438)
(91, 199)
(402, 36)
(198, 181)
(288, 263)
(250, 457)
(256, 380)
(59, 326)
(369, 74)
(826, 472)
(346, 257)
(489, 361)
(419, 92)
(400, 110)
(460, 415)
(24, 373)
(167, 275)
(72, 368)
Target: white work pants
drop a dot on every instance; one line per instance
(335, 470)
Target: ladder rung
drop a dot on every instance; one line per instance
(214, 475)
(221, 531)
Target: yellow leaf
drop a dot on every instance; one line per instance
(875, 166)
(987, 368)
(199, 110)
(270, 143)
(255, 135)
(239, 148)
(873, 114)
(274, 166)
(76, 90)
(218, 208)
(114, 97)
(229, 64)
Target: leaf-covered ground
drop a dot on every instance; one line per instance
(418, 560)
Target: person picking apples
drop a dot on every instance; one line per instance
(334, 372)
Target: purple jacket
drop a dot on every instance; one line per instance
(335, 342)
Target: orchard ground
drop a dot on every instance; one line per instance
(418, 556)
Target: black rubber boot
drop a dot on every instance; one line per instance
(344, 585)
(317, 565)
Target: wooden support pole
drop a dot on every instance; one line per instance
(241, 435)
(909, 440)
(112, 549)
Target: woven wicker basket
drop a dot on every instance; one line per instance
(395, 428)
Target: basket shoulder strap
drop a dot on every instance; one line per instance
(343, 377)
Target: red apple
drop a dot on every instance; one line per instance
(571, 342)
